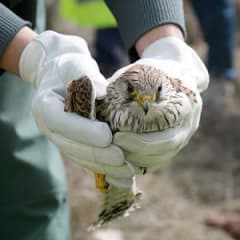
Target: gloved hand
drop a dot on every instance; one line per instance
(49, 62)
(176, 59)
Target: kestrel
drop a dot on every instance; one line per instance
(142, 99)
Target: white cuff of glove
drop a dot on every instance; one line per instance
(179, 60)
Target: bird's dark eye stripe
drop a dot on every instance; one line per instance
(158, 94)
(160, 88)
(130, 98)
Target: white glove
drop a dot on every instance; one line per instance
(49, 62)
(175, 58)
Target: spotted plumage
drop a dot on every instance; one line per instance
(79, 96)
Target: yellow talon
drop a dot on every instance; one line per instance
(100, 182)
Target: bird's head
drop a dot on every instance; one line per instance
(143, 99)
(141, 95)
(140, 88)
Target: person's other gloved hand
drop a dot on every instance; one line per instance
(178, 60)
(49, 62)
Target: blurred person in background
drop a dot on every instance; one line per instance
(108, 50)
(217, 19)
(36, 67)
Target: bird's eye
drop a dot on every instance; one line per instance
(131, 89)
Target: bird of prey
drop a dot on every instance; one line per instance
(142, 99)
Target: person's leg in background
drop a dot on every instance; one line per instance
(218, 22)
(109, 52)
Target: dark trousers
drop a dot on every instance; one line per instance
(108, 50)
(218, 22)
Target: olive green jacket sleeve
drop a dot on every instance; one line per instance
(9, 26)
(135, 17)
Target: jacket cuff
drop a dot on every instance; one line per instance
(10, 25)
(136, 17)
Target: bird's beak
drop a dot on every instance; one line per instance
(145, 106)
(145, 101)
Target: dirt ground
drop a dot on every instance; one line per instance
(203, 178)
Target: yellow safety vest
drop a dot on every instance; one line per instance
(87, 13)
